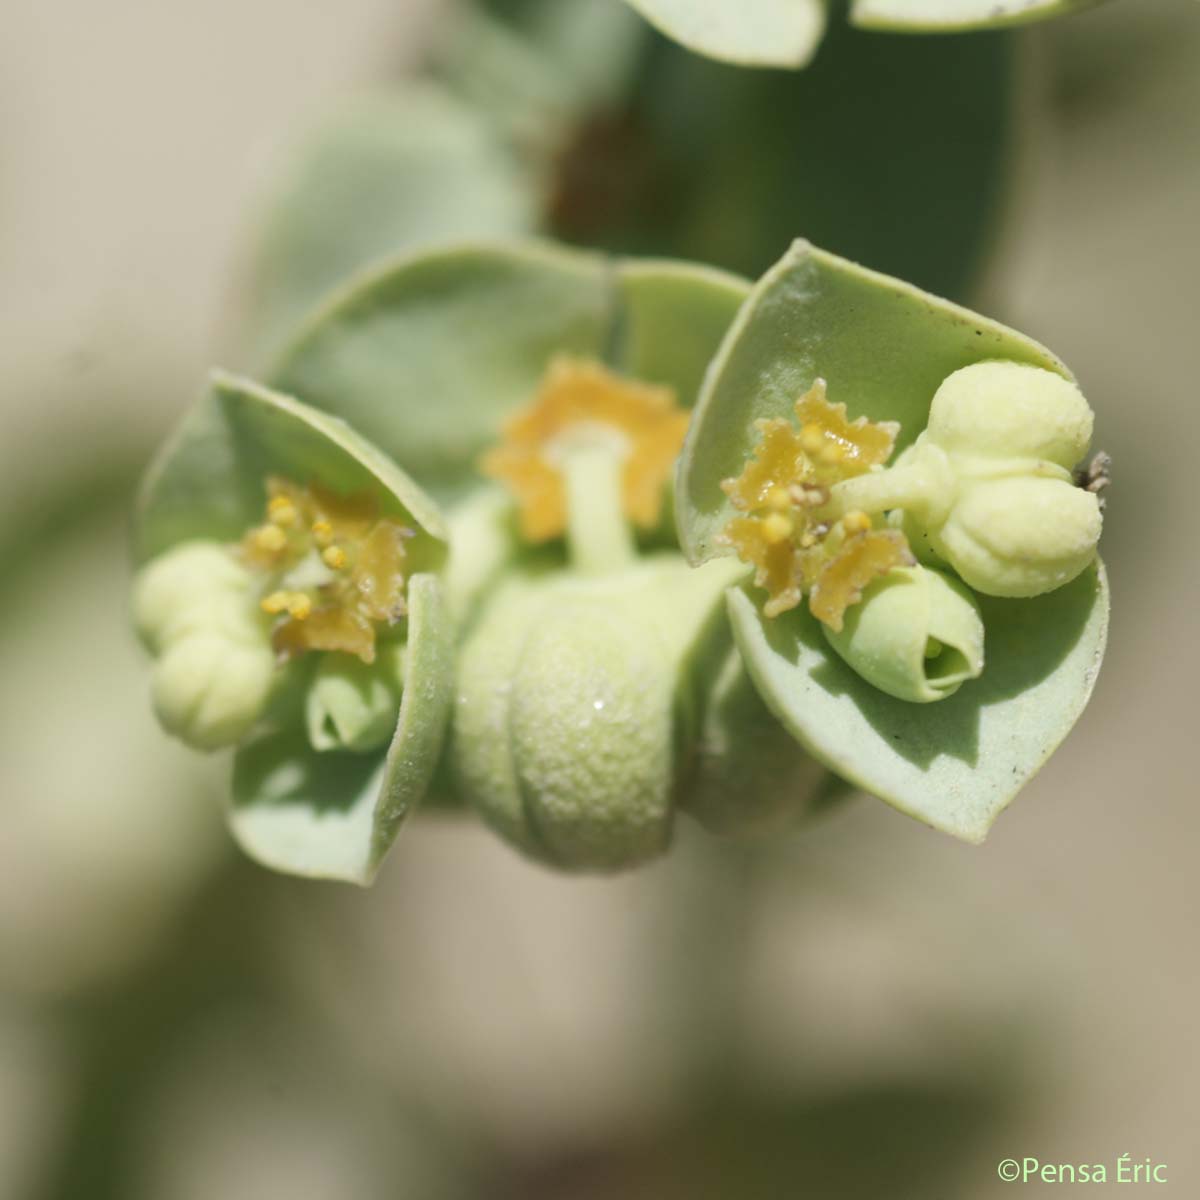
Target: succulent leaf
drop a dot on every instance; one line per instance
(763, 33)
(786, 33)
(951, 16)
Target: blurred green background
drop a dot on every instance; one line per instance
(863, 1009)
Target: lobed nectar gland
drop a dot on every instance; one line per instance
(785, 531)
(337, 566)
(581, 405)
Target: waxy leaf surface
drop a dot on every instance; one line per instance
(949, 16)
(764, 33)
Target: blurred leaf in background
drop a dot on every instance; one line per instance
(572, 118)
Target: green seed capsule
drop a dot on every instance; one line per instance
(1011, 410)
(917, 635)
(209, 690)
(1020, 536)
(987, 488)
(563, 730)
(194, 606)
(195, 585)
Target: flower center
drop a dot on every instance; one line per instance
(333, 569)
(588, 456)
(787, 530)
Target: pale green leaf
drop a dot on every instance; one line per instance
(765, 33)
(382, 174)
(954, 765)
(947, 16)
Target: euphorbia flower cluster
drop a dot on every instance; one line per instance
(552, 653)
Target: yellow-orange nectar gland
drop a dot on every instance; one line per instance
(783, 533)
(577, 393)
(362, 554)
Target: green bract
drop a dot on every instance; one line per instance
(884, 348)
(425, 356)
(786, 33)
(304, 801)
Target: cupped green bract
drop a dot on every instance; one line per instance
(208, 480)
(883, 348)
(329, 814)
(334, 815)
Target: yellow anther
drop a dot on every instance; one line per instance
(282, 512)
(269, 539)
(777, 528)
(299, 606)
(354, 539)
(811, 440)
(275, 603)
(781, 528)
(295, 604)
